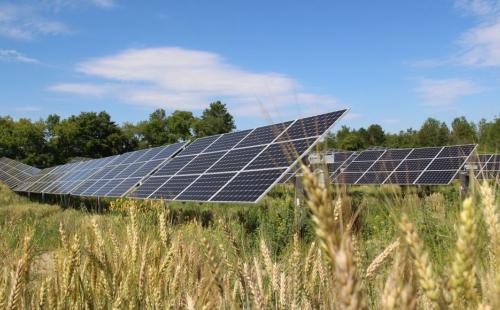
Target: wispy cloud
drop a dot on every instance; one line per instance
(177, 78)
(445, 92)
(15, 56)
(58, 5)
(25, 22)
(478, 46)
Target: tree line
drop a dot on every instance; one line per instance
(432, 133)
(53, 141)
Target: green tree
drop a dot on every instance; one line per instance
(403, 139)
(180, 124)
(462, 131)
(489, 135)
(375, 135)
(214, 120)
(155, 131)
(433, 133)
(351, 142)
(89, 134)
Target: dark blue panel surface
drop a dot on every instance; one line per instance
(248, 186)
(205, 187)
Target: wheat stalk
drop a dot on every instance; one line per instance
(463, 275)
(380, 259)
(425, 270)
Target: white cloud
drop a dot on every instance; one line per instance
(445, 92)
(57, 5)
(479, 7)
(15, 56)
(25, 22)
(481, 45)
(478, 46)
(177, 78)
(83, 88)
(104, 3)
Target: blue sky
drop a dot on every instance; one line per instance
(392, 62)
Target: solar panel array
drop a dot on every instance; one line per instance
(13, 173)
(429, 165)
(336, 160)
(484, 166)
(236, 167)
(110, 176)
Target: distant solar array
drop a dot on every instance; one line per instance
(429, 165)
(111, 176)
(243, 166)
(334, 161)
(484, 166)
(13, 173)
(236, 167)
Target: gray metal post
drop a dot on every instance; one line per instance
(464, 184)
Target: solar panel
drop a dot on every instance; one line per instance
(216, 168)
(335, 161)
(429, 165)
(485, 166)
(14, 173)
(127, 171)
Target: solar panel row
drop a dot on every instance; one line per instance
(236, 167)
(334, 161)
(111, 176)
(484, 166)
(13, 173)
(430, 165)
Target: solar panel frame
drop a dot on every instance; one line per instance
(243, 143)
(340, 114)
(134, 158)
(15, 173)
(428, 161)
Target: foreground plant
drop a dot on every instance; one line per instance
(195, 267)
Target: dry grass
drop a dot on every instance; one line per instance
(122, 263)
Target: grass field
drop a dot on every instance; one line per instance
(375, 247)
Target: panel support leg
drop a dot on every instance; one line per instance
(464, 184)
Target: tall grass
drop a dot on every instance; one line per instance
(352, 249)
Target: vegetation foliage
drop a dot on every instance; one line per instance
(54, 141)
(378, 247)
(431, 133)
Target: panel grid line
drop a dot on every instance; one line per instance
(220, 158)
(385, 151)
(176, 173)
(250, 161)
(421, 173)
(396, 168)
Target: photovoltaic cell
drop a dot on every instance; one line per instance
(281, 154)
(199, 145)
(227, 141)
(403, 178)
(231, 158)
(173, 187)
(436, 177)
(236, 159)
(311, 126)
(263, 135)
(205, 187)
(201, 163)
(149, 186)
(429, 165)
(248, 186)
